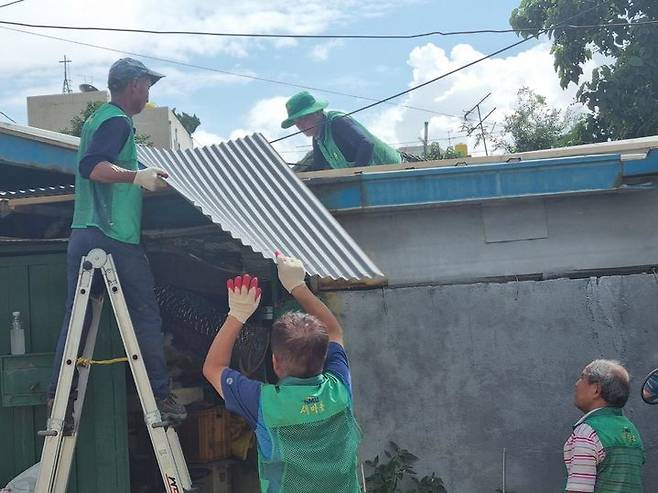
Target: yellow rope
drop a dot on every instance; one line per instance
(88, 361)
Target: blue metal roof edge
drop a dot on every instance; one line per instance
(542, 176)
(580, 174)
(31, 153)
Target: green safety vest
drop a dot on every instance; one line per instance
(382, 153)
(621, 470)
(114, 208)
(307, 436)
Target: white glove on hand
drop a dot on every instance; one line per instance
(291, 271)
(151, 179)
(243, 297)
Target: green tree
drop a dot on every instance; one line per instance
(75, 127)
(622, 95)
(144, 140)
(535, 125)
(189, 122)
(435, 152)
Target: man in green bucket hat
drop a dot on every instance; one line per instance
(339, 141)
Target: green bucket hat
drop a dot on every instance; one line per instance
(301, 104)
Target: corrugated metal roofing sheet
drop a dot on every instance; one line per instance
(46, 191)
(246, 188)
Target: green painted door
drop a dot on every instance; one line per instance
(35, 285)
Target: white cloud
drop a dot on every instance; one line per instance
(30, 61)
(265, 117)
(247, 16)
(204, 138)
(320, 52)
(503, 77)
(455, 94)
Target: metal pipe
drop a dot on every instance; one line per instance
(504, 488)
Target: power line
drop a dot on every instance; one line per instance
(447, 74)
(416, 87)
(8, 117)
(435, 140)
(11, 3)
(418, 141)
(220, 71)
(323, 36)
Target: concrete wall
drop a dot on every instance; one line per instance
(456, 373)
(164, 129)
(540, 237)
(55, 111)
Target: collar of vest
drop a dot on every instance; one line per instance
(604, 411)
(316, 380)
(327, 118)
(117, 106)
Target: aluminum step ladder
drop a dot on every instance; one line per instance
(58, 448)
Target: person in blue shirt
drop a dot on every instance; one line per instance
(306, 432)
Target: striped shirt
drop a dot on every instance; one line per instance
(583, 451)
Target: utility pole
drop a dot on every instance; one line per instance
(481, 120)
(66, 87)
(425, 140)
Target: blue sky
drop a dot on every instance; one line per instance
(229, 106)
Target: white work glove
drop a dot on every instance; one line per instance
(243, 297)
(291, 271)
(151, 179)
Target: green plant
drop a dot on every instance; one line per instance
(75, 126)
(396, 468)
(436, 152)
(144, 140)
(621, 91)
(189, 122)
(535, 125)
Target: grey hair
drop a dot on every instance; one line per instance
(613, 378)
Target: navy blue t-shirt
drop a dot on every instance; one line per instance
(242, 395)
(355, 145)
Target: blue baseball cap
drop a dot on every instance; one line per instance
(127, 69)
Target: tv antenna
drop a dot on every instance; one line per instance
(66, 87)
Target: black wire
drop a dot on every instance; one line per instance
(220, 71)
(322, 36)
(443, 76)
(7, 117)
(11, 3)
(414, 88)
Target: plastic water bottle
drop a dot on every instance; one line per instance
(17, 334)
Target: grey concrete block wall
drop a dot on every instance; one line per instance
(510, 238)
(55, 111)
(456, 373)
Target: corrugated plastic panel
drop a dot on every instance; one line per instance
(246, 188)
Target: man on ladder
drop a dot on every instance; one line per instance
(107, 216)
